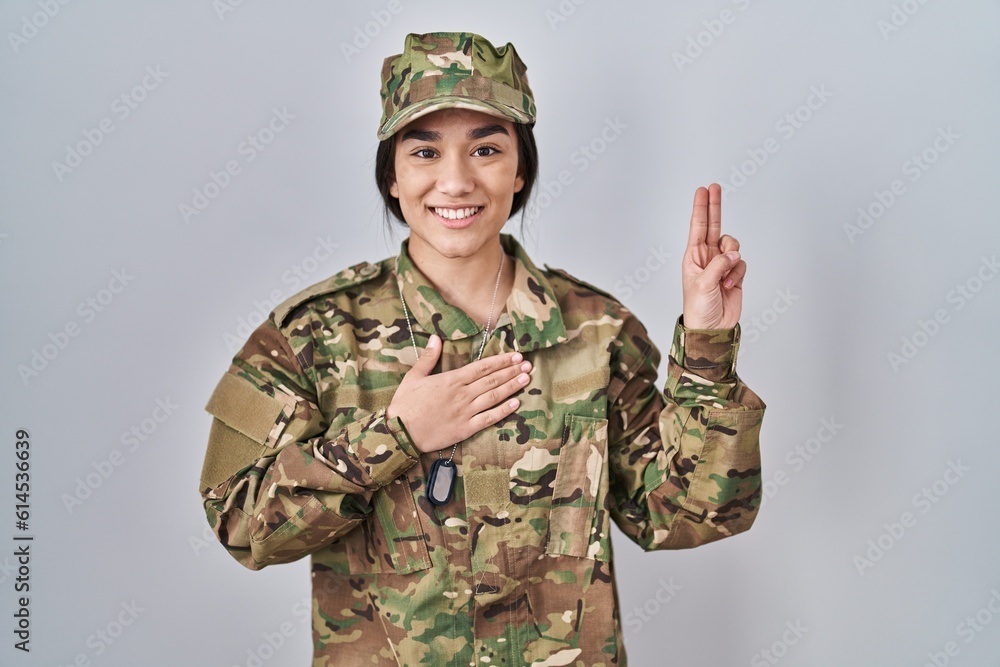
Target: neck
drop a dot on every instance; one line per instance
(468, 282)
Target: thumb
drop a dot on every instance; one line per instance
(720, 265)
(429, 357)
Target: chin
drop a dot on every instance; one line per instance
(457, 248)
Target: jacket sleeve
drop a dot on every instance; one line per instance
(277, 483)
(684, 463)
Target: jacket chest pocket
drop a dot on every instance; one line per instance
(392, 538)
(579, 522)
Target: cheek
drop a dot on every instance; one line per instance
(506, 180)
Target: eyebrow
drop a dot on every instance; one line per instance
(487, 130)
(476, 133)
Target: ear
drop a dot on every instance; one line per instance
(519, 181)
(393, 190)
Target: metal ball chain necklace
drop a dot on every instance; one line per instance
(441, 479)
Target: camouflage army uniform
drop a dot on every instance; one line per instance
(517, 568)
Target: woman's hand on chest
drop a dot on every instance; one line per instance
(440, 409)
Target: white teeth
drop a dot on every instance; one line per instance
(456, 214)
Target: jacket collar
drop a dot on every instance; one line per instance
(532, 307)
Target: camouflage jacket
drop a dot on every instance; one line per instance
(517, 568)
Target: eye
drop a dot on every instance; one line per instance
(424, 153)
(493, 150)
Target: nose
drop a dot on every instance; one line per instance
(455, 176)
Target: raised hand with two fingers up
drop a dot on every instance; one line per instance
(711, 271)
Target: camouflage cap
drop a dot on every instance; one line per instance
(440, 70)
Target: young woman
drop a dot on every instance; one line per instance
(449, 433)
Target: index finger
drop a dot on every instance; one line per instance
(706, 217)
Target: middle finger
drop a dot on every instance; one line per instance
(491, 397)
(497, 378)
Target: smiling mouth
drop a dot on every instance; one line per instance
(457, 213)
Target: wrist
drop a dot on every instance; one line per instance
(694, 325)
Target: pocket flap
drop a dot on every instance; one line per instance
(246, 409)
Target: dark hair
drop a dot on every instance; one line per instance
(527, 164)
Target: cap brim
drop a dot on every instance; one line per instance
(425, 107)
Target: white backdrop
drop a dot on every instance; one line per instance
(858, 145)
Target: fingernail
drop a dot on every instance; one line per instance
(526, 366)
(733, 255)
(512, 403)
(517, 357)
(729, 282)
(523, 379)
(432, 343)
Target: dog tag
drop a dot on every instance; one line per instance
(441, 481)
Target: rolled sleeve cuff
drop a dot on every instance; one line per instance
(383, 448)
(708, 353)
